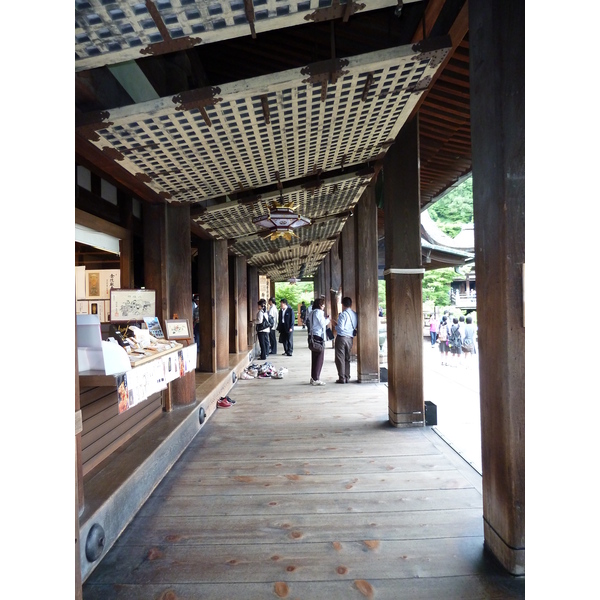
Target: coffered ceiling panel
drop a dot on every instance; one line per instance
(309, 136)
(108, 32)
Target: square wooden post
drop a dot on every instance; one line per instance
(348, 253)
(403, 276)
(366, 301)
(179, 285)
(221, 303)
(497, 46)
(207, 357)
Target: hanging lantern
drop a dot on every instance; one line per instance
(281, 219)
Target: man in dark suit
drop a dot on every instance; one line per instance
(286, 327)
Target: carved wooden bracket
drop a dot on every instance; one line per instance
(324, 72)
(168, 44)
(199, 99)
(88, 124)
(335, 11)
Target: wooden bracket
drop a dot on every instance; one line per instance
(324, 72)
(198, 99)
(335, 11)
(88, 124)
(168, 44)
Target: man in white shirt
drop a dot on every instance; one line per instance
(346, 330)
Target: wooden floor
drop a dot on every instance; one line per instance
(307, 492)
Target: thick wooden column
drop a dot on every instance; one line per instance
(167, 269)
(326, 283)
(207, 358)
(155, 271)
(253, 291)
(179, 276)
(366, 301)
(497, 46)
(79, 496)
(221, 303)
(336, 266)
(240, 284)
(348, 257)
(403, 275)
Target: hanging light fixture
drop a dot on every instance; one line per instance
(281, 219)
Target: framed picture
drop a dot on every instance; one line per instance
(93, 284)
(154, 327)
(177, 329)
(131, 305)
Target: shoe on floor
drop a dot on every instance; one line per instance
(230, 399)
(223, 403)
(340, 381)
(318, 382)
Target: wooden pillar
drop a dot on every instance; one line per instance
(179, 277)
(403, 275)
(348, 257)
(125, 203)
(221, 303)
(366, 301)
(336, 266)
(155, 272)
(271, 291)
(207, 359)
(233, 321)
(253, 291)
(167, 270)
(240, 303)
(497, 47)
(79, 497)
(326, 283)
(318, 285)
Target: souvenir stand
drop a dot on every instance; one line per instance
(122, 378)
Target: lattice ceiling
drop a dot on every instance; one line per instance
(109, 31)
(224, 147)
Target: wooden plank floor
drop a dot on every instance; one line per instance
(306, 492)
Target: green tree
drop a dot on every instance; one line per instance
(294, 294)
(436, 286)
(450, 213)
(454, 209)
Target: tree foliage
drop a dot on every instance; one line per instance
(454, 209)
(294, 294)
(436, 286)
(450, 213)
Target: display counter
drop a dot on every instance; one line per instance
(115, 407)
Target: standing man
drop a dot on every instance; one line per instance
(286, 327)
(272, 312)
(346, 330)
(303, 313)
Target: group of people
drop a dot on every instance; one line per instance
(269, 321)
(345, 327)
(456, 338)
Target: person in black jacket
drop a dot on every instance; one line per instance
(286, 327)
